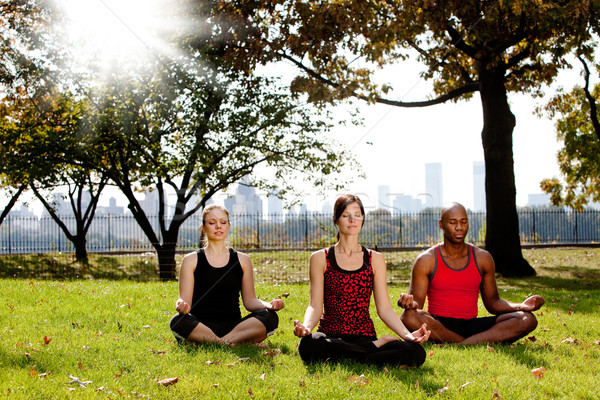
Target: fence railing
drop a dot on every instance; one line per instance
(110, 233)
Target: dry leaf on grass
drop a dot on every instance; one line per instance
(168, 381)
(442, 390)
(360, 380)
(464, 386)
(496, 395)
(538, 372)
(81, 383)
(570, 340)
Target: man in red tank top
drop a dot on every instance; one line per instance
(451, 275)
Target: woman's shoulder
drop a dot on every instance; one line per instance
(319, 254)
(190, 259)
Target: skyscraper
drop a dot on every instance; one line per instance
(383, 197)
(479, 186)
(433, 185)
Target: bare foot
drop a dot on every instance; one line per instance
(384, 340)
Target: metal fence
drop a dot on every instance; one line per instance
(109, 233)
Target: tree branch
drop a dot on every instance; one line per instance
(467, 88)
(590, 98)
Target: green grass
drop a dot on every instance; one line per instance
(115, 334)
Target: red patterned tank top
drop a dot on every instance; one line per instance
(347, 295)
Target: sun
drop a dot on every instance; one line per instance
(109, 32)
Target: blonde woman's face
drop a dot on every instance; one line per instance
(216, 225)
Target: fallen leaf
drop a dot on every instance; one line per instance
(387, 371)
(244, 359)
(27, 355)
(532, 339)
(302, 383)
(272, 353)
(32, 371)
(81, 383)
(570, 340)
(100, 389)
(596, 341)
(442, 390)
(250, 391)
(263, 376)
(147, 327)
(360, 380)
(285, 294)
(464, 386)
(490, 348)
(417, 384)
(215, 385)
(168, 381)
(538, 372)
(430, 353)
(119, 374)
(45, 374)
(496, 395)
(47, 340)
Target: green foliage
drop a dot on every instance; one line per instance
(578, 159)
(116, 335)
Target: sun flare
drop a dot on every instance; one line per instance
(117, 31)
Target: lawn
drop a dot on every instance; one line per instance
(113, 336)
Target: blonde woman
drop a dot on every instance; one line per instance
(210, 282)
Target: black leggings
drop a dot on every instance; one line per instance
(320, 347)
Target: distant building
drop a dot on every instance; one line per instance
(406, 204)
(433, 185)
(274, 207)
(479, 186)
(383, 197)
(111, 209)
(326, 208)
(538, 199)
(245, 201)
(22, 212)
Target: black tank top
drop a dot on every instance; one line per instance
(217, 290)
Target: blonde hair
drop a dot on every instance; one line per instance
(205, 212)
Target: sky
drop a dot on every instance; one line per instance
(394, 143)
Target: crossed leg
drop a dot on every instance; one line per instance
(508, 328)
(250, 330)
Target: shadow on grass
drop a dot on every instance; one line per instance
(136, 267)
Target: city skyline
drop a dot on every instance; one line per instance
(244, 199)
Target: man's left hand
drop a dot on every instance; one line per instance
(532, 303)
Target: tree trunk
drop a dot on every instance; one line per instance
(166, 260)
(80, 243)
(502, 237)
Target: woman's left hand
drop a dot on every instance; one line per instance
(420, 335)
(276, 304)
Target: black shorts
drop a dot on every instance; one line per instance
(467, 327)
(183, 324)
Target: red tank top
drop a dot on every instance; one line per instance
(454, 292)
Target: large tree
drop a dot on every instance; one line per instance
(578, 128)
(190, 128)
(466, 47)
(27, 54)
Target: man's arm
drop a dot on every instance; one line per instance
(419, 281)
(489, 289)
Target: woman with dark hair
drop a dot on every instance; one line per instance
(210, 282)
(342, 279)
